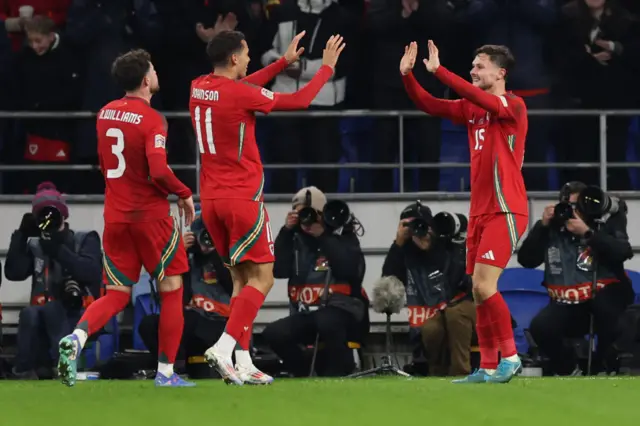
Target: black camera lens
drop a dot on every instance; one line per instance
(307, 216)
(336, 213)
(448, 224)
(204, 239)
(593, 202)
(49, 219)
(563, 211)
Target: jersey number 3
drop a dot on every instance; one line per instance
(116, 149)
(208, 129)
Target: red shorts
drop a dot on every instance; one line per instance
(239, 229)
(156, 245)
(492, 238)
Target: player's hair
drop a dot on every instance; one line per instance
(222, 46)
(128, 70)
(40, 24)
(499, 55)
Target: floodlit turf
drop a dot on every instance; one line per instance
(366, 402)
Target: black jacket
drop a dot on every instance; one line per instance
(342, 251)
(400, 258)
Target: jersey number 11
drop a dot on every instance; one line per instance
(208, 129)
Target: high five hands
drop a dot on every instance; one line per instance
(408, 60)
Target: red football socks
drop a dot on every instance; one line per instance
(244, 312)
(486, 340)
(171, 325)
(501, 327)
(245, 339)
(101, 311)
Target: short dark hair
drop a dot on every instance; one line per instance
(499, 55)
(222, 46)
(40, 24)
(129, 69)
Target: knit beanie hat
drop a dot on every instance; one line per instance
(48, 196)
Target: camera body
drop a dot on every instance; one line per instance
(204, 239)
(71, 294)
(48, 219)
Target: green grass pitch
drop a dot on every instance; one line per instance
(288, 402)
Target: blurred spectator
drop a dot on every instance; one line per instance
(100, 31)
(187, 27)
(6, 65)
(310, 140)
(16, 13)
(46, 79)
(393, 25)
(524, 26)
(598, 58)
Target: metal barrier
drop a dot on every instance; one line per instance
(603, 164)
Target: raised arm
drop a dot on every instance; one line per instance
(496, 105)
(453, 110)
(263, 76)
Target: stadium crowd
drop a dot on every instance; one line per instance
(55, 55)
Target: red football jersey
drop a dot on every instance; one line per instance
(497, 127)
(497, 143)
(128, 131)
(223, 117)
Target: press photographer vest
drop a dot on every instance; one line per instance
(305, 289)
(48, 274)
(568, 271)
(429, 287)
(208, 297)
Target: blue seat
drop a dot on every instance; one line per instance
(522, 291)
(454, 149)
(103, 348)
(143, 305)
(635, 282)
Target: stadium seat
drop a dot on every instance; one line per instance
(100, 350)
(454, 149)
(145, 305)
(635, 282)
(525, 296)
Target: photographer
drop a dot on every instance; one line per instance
(66, 271)
(586, 228)
(314, 246)
(207, 298)
(428, 256)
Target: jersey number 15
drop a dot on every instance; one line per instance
(208, 130)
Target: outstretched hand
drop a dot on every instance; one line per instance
(409, 59)
(433, 63)
(293, 53)
(332, 50)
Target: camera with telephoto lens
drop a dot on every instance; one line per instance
(450, 225)
(335, 213)
(204, 239)
(72, 294)
(48, 219)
